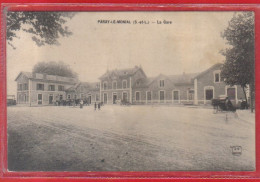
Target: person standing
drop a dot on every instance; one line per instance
(98, 106)
(95, 105)
(81, 104)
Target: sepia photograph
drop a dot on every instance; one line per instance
(130, 91)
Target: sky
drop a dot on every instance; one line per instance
(190, 44)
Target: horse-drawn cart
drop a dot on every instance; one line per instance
(222, 104)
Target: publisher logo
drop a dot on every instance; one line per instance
(236, 150)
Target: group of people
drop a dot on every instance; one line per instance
(96, 105)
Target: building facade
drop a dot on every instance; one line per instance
(89, 92)
(41, 89)
(210, 84)
(118, 85)
(128, 85)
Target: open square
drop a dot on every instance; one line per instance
(129, 138)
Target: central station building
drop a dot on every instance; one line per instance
(128, 85)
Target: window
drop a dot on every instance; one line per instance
(209, 94)
(51, 88)
(137, 96)
(60, 88)
(161, 83)
(217, 77)
(105, 85)
(68, 96)
(176, 95)
(149, 96)
(114, 84)
(25, 86)
(124, 83)
(40, 86)
(20, 87)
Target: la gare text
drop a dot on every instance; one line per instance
(134, 22)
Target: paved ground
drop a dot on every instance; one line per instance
(135, 138)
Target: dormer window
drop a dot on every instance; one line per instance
(161, 83)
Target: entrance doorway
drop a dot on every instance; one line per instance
(231, 93)
(40, 99)
(162, 96)
(114, 98)
(50, 99)
(105, 98)
(125, 97)
(89, 99)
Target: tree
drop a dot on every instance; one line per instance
(54, 68)
(46, 27)
(239, 65)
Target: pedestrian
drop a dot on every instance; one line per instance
(95, 105)
(81, 104)
(98, 106)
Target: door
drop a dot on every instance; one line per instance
(149, 97)
(161, 96)
(209, 94)
(114, 98)
(231, 93)
(190, 94)
(176, 95)
(105, 98)
(89, 99)
(137, 96)
(51, 99)
(125, 97)
(40, 99)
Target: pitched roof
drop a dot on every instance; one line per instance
(70, 89)
(175, 79)
(185, 78)
(91, 86)
(45, 77)
(27, 74)
(144, 82)
(209, 69)
(121, 72)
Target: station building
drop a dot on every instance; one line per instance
(41, 89)
(129, 85)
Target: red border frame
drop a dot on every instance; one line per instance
(121, 176)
